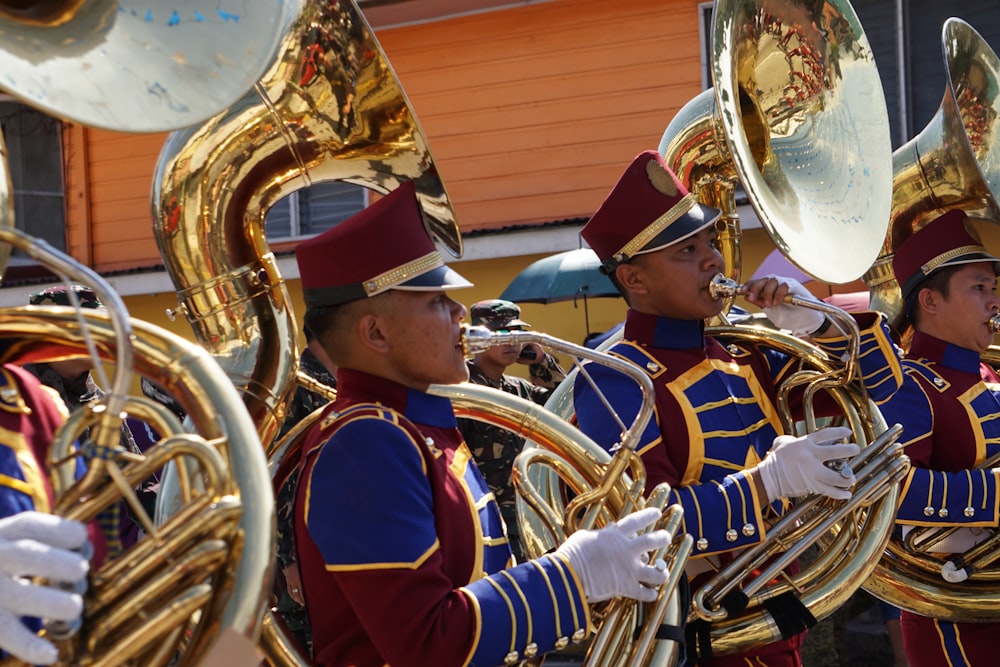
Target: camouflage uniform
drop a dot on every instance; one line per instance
(303, 404)
(495, 448)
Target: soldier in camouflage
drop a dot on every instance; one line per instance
(495, 448)
(314, 363)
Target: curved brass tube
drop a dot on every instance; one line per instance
(329, 108)
(557, 456)
(954, 162)
(140, 605)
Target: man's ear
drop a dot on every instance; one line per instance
(928, 300)
(630, 277)
(371, 333)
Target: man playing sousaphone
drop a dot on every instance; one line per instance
(400, 545)
(947, 401)
(716, 437)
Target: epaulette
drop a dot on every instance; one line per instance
(335, 419)
(637, 355)
(11, 399)
(735, 350)
(927, 373)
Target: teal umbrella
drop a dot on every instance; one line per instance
(570, 275)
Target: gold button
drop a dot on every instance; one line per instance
(511, 658)
(652, 366)
(702, 544)
(579, 635)
(562, 643)
(943, 512)
(531, 650)
(749, 530)
(928, 511)
(969, 512)
(731, 535)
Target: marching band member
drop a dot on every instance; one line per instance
(400, 545)
(32, 543)
(948, 403)
(716, 436)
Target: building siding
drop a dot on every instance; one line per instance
(531, 113)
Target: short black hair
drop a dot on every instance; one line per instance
(613, 277)
(939, 281)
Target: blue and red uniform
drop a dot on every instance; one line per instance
(715, 417)
(401, 547)
(948, 403)
(29, 418)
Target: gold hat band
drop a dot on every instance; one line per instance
(401, 274)
(946, 257)
(653, 230)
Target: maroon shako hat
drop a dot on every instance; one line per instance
(383, 247)
(944, 241)
(648, 209)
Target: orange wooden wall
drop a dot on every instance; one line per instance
(534, 112)
(531, 112)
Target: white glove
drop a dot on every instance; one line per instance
(33, 544)
(797, 319)
(795, 466)
(611, 561)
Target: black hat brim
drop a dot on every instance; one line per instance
(692, 222)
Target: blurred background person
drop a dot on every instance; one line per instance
(495, 448)
(73, 381)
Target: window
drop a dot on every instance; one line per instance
(34, 159)
(313, 210)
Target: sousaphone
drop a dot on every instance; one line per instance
(203, 570)
(328, 108)
(953, 163)
(797, 119)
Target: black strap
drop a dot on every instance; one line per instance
(789, 614)
(735, 602)
(674, 633)
(698, 641)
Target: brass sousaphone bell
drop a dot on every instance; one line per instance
(124, 67)
(954, 162)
